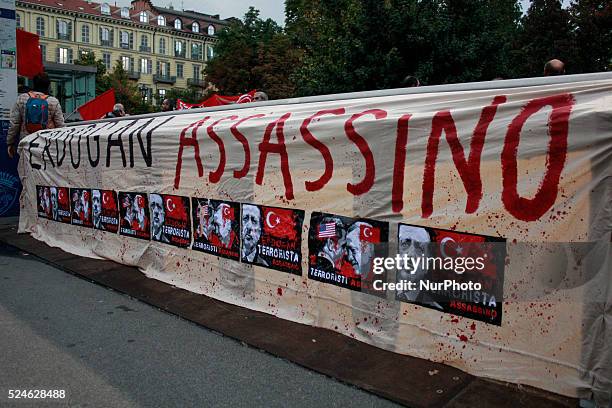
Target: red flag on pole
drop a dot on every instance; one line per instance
(29, 56)
(98, 107)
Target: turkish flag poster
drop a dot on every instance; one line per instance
(170, 219)
(60, 204)
(272, 237)
(105, 208)
(216, 227)
(451, 271)
(80, 207)
(134, 214)
(342, 251)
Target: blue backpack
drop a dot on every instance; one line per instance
(36, 112)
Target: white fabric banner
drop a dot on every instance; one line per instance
(284, 209)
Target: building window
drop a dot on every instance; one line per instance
(161, 20)
(127, 40)
(179, 49)
(210, 52)
(125, 12)
(64, 30)
(162, 46)
(196, 72)
(43, 51)
(211, 30)
(106, 37)
(196, 51)
(145, 65)
(63, 55)
(144, 17)
(144, 40)
(40, 26)
(17, 20)
(106, 58)
(161, 95)
(85, 33)
(125, 63)
(178, 24)
(105, 9)
(195, 27)
(179, 70)
(163, 68)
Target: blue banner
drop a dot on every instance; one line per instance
(10, 186)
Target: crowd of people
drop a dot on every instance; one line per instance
(35, 109)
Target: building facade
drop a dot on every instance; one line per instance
(160, 48)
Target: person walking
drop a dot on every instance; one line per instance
(33, 111)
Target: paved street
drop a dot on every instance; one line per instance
(104, 349)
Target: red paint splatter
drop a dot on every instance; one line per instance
(279, 291)
(463, 338)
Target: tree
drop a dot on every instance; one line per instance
(592, 22)
(356, 45)
(253, 54)
(126, 92)
(545, 34)
(190, 95)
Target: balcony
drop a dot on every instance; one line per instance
(200, 83)
(196, 56)
(63, 36)
(133, 75)
(164, 79)
(106, 43)
(125, 46)
(180, 54)
(144, 48)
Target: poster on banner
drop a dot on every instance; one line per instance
(170, 219)
(134, 213)
(60, 204)
(341, 250)
(43, 202)
(272, 237)
(439, 261)
(80, 203)
(105, 208)
(216, 227)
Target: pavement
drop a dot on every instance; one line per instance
(105, 349)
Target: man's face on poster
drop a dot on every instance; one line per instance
(54, 198)
(96, 205)
(158, 212)
(251, 227)
(413, 242)
(222, 223)
(359, 253)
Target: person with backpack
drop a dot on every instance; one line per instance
(33, 111)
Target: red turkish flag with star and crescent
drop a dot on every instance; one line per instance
(175, 207)
(279, 223)
(368, 233)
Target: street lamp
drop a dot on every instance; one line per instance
(143, 92)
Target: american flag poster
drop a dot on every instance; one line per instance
(341, 250)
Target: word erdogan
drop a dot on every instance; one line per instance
(525, 209)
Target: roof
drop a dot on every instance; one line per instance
(95, 9)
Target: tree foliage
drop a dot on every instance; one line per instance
(253, 54)
(592, 22)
